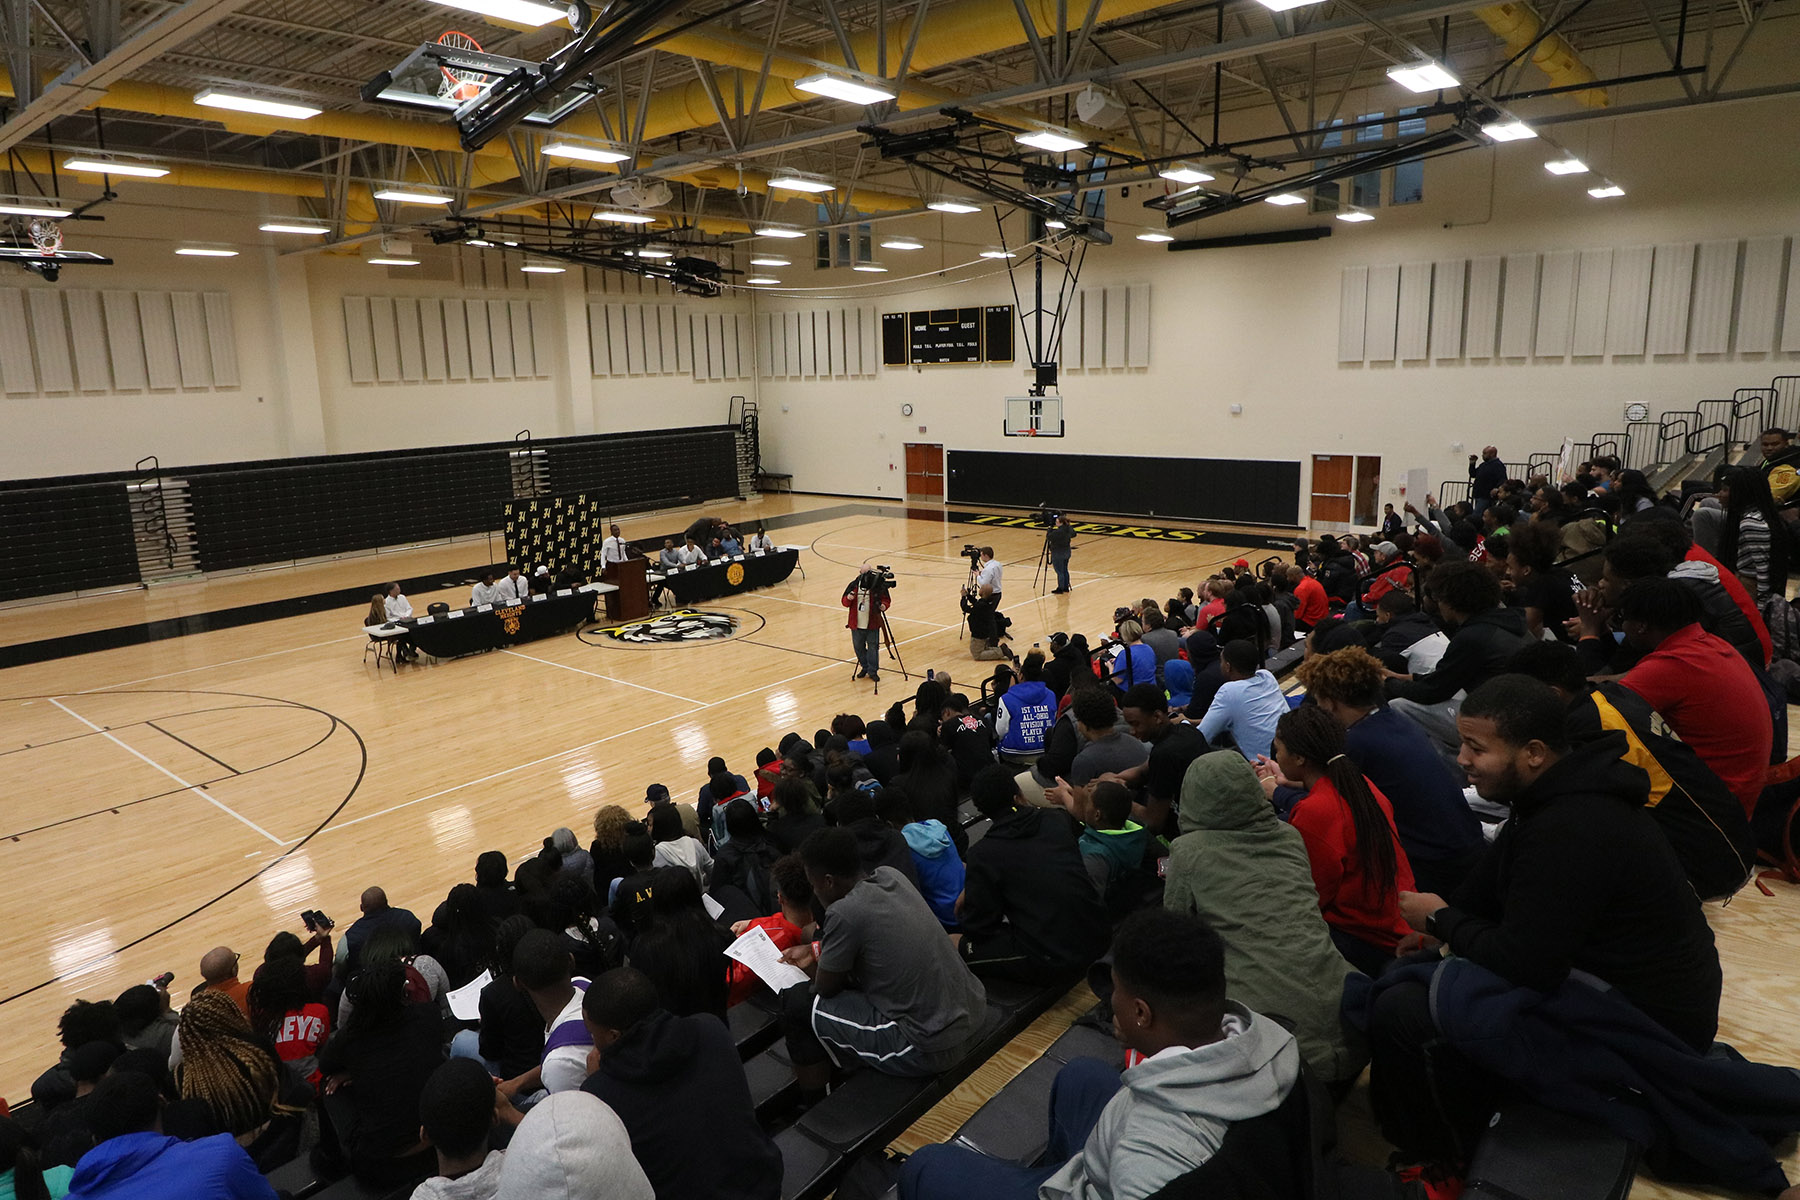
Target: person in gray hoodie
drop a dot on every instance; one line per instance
(1207, 1063)
(571, 1146)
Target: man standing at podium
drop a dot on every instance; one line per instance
(615, 549)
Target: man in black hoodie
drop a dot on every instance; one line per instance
(1029, 909)
(678, 1086)
(1580, 879)
(1483, 636)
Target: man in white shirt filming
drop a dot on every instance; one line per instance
(982, 603)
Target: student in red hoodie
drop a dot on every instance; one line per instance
(1311, 605)
(1358, 864)
(786, 928)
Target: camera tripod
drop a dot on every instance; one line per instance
(968, 596)
(888, 644)
(1042, 575)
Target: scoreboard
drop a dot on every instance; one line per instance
(948, 335)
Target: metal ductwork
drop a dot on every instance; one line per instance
(1519, 25)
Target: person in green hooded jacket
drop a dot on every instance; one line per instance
(1244, 871)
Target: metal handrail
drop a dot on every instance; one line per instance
(155, 508)
(1695, 445)
(1454, 490)
(1664, 433)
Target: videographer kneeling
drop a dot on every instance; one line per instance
(867, 598)
(982, 603)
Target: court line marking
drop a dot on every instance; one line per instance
(596, 675)
(191, 746)
(836, 664)
(213, 666)
(135, 753)
(834, 608)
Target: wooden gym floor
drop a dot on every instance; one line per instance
(164, 798)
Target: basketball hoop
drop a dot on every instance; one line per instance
(46, 235)
(460, 85)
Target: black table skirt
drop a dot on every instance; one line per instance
(450, 635)
(717, 579)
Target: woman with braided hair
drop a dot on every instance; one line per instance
(1358, 864)
(226, 1064)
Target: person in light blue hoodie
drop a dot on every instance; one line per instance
(939, 867)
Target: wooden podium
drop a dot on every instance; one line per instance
(632, 601)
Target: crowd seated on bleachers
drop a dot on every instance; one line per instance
(1293, 888)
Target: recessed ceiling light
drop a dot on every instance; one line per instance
(1566, 166)
(1285, 5)
(793, 181)
(1510, 130)
(1049, 140)
(1155, 235)
(839, 88)
(392, 262)
(599, 152)
(1606, 190)
(769, 260)
(214, 98)
(624, 218)
(35, 206)
(870, 268)
(406, 196)
(292, 227)
(206, 251)
(1184, 173)
(541, 267)
(1355, 215)
(778, 231)
(1284, 198)
(950, 204)
(523, 11)
(761, 279)
(655, 252)
(902, 243)
(1426, 76)
(113, 166)
(998, 252)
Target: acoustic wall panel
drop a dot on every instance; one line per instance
(1671, 294)
(1093, 328)
(599, 352)
(387, 339)
(500, 334)
(634, 339)
(543, 343)
(1412, 323)
(1518, 305)
(808, 360)
(221, 339)
(764, 335)
(1556, 305)
(871, 339)
(615, 337)
(1353, 310)
(481, 344)
(684, 343)
(1593, 285)
(190, 339)
(159, 339)
(1715, 284)
(1482, 326)
(1758, 301)
(124, 340)
(790, 335)
(412, 349)
(1137, 315)
(1449, 279)
(87, 334)
(1116, 319)
(431, 338)
(1790, 321)
(459, 362)
(359, 337)
(665, 333)
(1383, 317)
(1628, 304)
(1071, 335)
(50, 337)
(653, 352)
(746, 344)
(17, 376)
(524, 357)
(720, 337)
(831, 344)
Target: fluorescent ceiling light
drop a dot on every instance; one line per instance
(1424, 76)
(542, 268)
(585, 151)
(392, 262)
(292, 227)
(1054, 223)
(1155, 235)
(800, 183)
(839, 88)
(778, 231)
(769, 260)
(762, 279)
(1184, 173)
(1050, 140)
(1354, 215)
(34, 206)
(522, 11)
(507, 243)
(113, 166)
(1285, 5)
(1284, 198)
(214, 98)
(950, 204)
(998, 252)
(870, 268)
(206, 251)
(1509, 130)
(483, 243)
(903, 243)
(1606, 190)
(403, 196)
(625, 218)
(655, 252)
(1566, 166)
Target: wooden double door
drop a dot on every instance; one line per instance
(924, 471)
(1346, 489)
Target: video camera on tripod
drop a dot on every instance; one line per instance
(878, 578)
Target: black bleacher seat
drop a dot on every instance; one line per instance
(296, 1179)
(753, 1026)
(979, 829)
(865, 1102)
(1286, 660)
(807, 1167)
(1014, 1124)
(771, 1079)
(1084, 1041)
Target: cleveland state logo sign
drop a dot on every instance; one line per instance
(734, 574)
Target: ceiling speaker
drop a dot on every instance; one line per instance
(1099, 107)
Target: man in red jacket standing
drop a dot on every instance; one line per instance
(867, 599)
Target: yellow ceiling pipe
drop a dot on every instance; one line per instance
(1518, 23)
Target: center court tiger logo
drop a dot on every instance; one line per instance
(682, 625)
(734, 574)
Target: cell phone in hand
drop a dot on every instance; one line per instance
(163, 980)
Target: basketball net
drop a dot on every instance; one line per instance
(460, 85)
